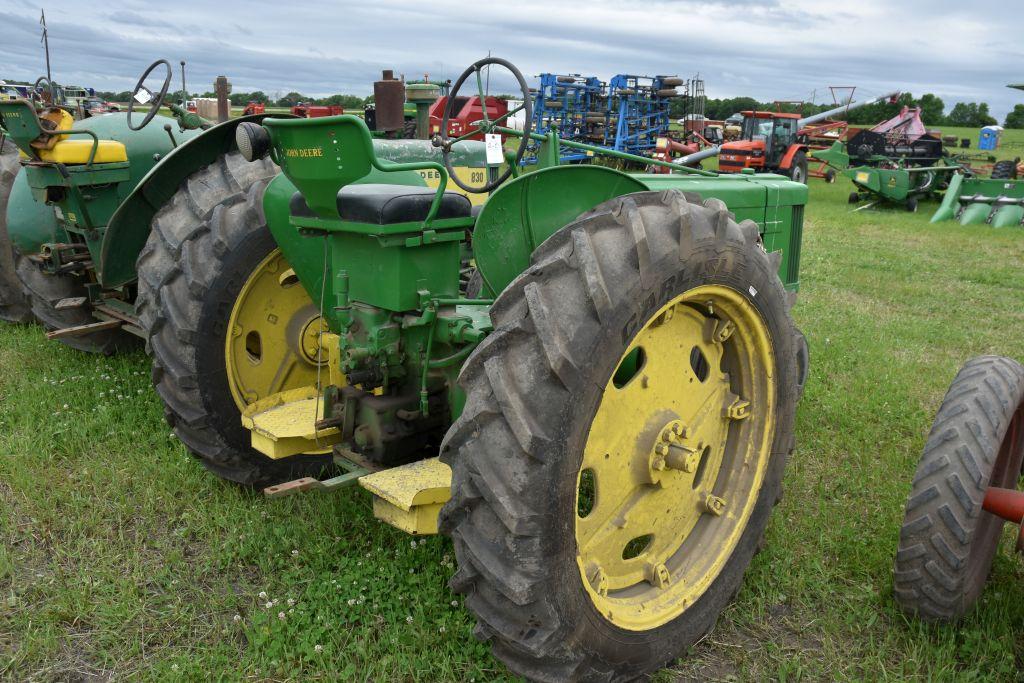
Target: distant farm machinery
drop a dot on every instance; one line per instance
(997, 201)
(776, 142)
(627, 114)
(897, 161)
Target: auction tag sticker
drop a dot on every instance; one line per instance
(862, 177)
(495, 153)
(143, 96)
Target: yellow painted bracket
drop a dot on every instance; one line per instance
(283, 424)
(410, 497)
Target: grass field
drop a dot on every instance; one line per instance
(121, 558)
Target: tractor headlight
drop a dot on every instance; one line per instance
(253, 140)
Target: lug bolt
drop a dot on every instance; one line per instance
(738, 410)
(714, 505)
(599, 581)
(657, 575)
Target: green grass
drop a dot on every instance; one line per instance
(120, 557)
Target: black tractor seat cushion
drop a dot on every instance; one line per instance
(382, 204)
(386, 204)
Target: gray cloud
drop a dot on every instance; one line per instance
(768, 49)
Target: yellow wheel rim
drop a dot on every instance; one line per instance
(273, 334)
(675, 457)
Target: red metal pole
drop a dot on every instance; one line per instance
(1005, 503)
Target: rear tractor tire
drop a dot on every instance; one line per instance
(591, 398)
(14, 305)
(45, 291)
(947, 542)
(211, 269)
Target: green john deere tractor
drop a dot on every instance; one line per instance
(612, 401)
(119, 225)
(611, 394)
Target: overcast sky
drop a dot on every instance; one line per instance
(770, 49)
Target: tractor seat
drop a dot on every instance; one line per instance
(50, 136)
(72, 152)
(383, 204)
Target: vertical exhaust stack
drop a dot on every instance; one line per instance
(389, 96)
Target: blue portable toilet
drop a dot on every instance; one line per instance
(989, 137)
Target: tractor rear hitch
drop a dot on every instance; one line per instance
(1009, 505)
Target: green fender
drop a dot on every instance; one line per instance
(129, 227)
(521, 214)
(30, 224)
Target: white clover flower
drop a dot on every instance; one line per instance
(318, 648)
(280, 615)
(441, 629)
(291, 602)
(237, 618)
(269, 605)
(408, 619)
(455, 603)
(295, 553)
(174, 667)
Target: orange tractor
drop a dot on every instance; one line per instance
(776, 142)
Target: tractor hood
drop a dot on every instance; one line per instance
(743, 147)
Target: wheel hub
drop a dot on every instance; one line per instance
(273, 343)
(675, 457)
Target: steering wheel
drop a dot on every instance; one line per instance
(485, 125)
(49, 87)
(155, 102)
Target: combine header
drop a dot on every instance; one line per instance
(997, 201)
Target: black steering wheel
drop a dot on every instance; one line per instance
(485, 125)
(155, 102)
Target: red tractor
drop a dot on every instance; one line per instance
(312, 111)
(252, 108)
(768, 143)
(776, 142)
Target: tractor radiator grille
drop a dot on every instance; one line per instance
(796, 235)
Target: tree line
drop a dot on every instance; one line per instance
(933, 109)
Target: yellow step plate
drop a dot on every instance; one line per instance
(284, 424)
(410, 497)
